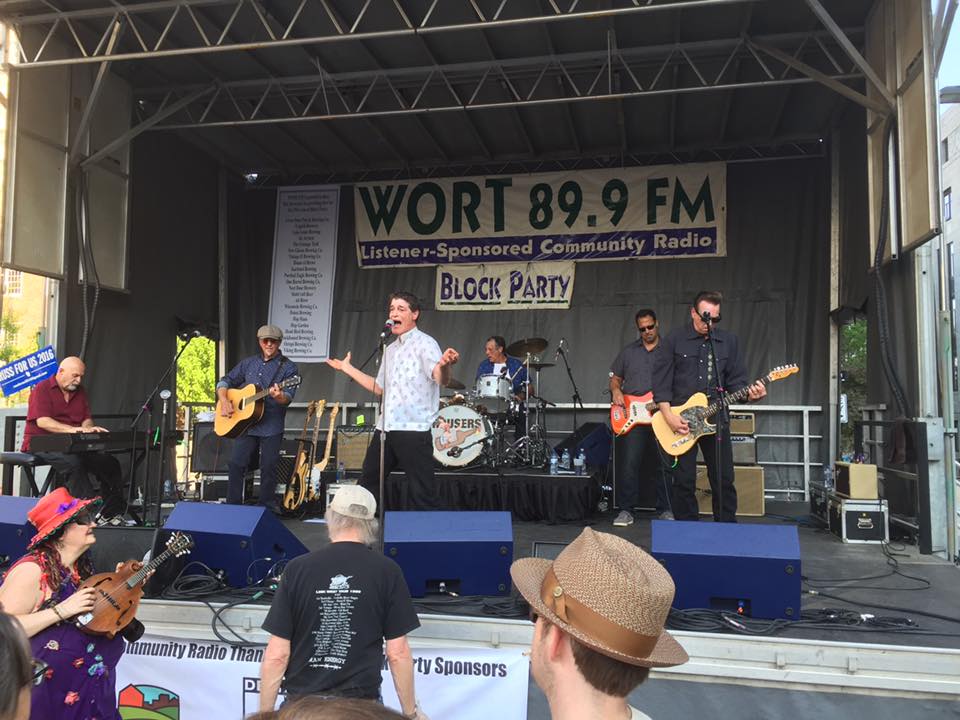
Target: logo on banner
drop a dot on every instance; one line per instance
(147, 702)
(505, 287)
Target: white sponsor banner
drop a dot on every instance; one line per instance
(542, 285)
(603, 214)
(161, 678)
(304, 266)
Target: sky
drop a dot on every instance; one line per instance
(950, 67)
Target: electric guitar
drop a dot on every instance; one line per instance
(636, 410)
(697, 413)
(296, 485)
(319, 467)
(247, 408)
(310, 495)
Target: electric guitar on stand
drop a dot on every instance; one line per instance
(636, 410)
(697, 413)
(297, 484)
(247, 408)
(318, 468)
(309, 495)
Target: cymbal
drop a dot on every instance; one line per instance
(455, 384)
(527, 346)
(541, 365)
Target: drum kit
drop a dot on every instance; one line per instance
(472, 427)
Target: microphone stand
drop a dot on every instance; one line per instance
(723, 422)
(165, 396)
(146, 408)
(576, 391)
(381, 361)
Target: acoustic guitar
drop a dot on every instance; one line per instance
(297, 484)
(118, 593)
(697, 413)
(636, 410)
(318, 468)
(247, 408)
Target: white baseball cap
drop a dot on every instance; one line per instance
(354, 501)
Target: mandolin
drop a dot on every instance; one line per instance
(247, 408)
(297, 484)
(318, 468)
(697, 413)
(119, 592)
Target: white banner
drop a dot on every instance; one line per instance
(544, 285)
(633, 213)
(304, 266)
(162, 678)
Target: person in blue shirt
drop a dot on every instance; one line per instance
(265, 370)
(499, 363)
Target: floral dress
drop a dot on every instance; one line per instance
(80, 682)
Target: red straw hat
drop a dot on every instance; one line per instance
(55, 510)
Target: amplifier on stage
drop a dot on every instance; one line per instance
(751, 501)
(352, 442)
(855, 480)
(744, 449)
(742, 423)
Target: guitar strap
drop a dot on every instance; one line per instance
(283, 359)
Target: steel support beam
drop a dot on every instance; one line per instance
(87, 115)
(853, 53)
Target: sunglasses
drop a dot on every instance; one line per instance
(269, 341)
(647, 328)
(39, 669)
(82, 518)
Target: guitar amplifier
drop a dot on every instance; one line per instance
(744, 449)
(288, 458)
(210, 453)
(742, 423)
(352, 442)
(749, 483)
(855, 480)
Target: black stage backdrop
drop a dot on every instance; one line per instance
(172, 271)
(775, 281)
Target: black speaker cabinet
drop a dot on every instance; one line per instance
(211, 453)
(594, 438)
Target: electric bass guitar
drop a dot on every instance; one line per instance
(117, 594)
(247, 408)
(318, 468)
(297, 484)
(636, 410)
(697, 413)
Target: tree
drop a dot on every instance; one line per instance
(853, 363)
(196, 372)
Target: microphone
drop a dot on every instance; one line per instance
(454, 452)
(706, 317)
(503, 371)
(559, 349)
(386, 332)
(190, 334)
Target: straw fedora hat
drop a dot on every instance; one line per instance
(608, 594)
(55, 510)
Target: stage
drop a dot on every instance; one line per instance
(835, 662)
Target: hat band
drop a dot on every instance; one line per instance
(591, 623)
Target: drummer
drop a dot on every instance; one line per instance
(499, 363)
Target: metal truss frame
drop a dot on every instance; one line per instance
(614, 74)
(801, 147)
(86, 31)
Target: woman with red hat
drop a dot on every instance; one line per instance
(41, 590)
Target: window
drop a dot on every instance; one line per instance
(12, 282)
(947, 210)
(944, 150)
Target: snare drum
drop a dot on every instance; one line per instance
(455, 433)
(494, 387)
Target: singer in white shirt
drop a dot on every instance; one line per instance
(409, 379)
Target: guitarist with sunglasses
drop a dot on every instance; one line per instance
(631, 374)
(267, 369)
(686, 366)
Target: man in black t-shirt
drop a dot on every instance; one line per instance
(334, 609)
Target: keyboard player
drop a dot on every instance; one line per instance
(59, 405)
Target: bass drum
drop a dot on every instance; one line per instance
(459, 434)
